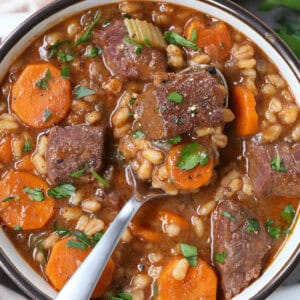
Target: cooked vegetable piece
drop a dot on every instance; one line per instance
(24, 164)
(23, 211)
(200, 282)
(176, 39)
(191, 178)
(30, 103)
(246, 116)
(64, 261)
(190, 253)
(5, 150)
(145, 33)
(168, 217)
(64, 190)
(146, 233)
(215, 39)
(276, 165)
(175, 140)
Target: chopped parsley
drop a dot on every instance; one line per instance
(147, 42)
(176, 39)
(81, 92)
(77, 244)
(93, 52)
(62, 56)
(7, 199)
(253, 225)
(127, 16)
(27, 145)
(190, 253)
(194, 36)
(191, 155)
(276, 165)
(100, 179)
(86, 36)
(228, 215)
(288, 214)
(139, 47)
(175, 97)
(80, 172)
(274, 231)
(43, 82)
(35, 194)
(138, 134)
(106, 23)
(131, 101)
(18, 228)
(121, 296)
(64, 190)
(220, 257)
(65, 71)
(42, 250)
(47, 115)
(175, 140)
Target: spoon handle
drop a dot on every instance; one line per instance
(81, 285)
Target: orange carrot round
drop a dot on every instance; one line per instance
(145, 233)
(16, 206)
(215, 39)
(40, 96)
(64, 261)
(244, 107)
(200, 282)
(5, 150)
(24, 164)
(188, 179)
(168, 217)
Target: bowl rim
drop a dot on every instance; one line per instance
(227, 5)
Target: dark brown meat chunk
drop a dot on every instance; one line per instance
(203, 100)
(71, 148)
(245, 251)
(267, 181)
(121, 57)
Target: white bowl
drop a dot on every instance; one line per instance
(10, 260)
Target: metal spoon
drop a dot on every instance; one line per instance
(83, 282)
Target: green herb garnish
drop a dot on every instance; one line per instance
(47, 115)
(276, 165)
(175, 97)
(192, 155)
(43, 82)
(175, 140)
(176, 39)
(86, 36)
(18, 228)
(194, 36)
(253, 225)
(121, 296)
(138, 134)
(131, 101)
(7, 199)
(106, 23)
(76, 244)
(139, 47)
(65, 71)
(65, 57)
(81, 92)
(93, 52)
(147, 42)
(42, 250)
(269, 4)
(79, 173)
(100, 180)
(228, 215)
(27, 145)
(64, 190)
(35, 194)
(274, 231)
(190, 253)
(288, 214)
(220, 257)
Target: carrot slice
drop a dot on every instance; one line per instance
(24, 164)
(64, 261)
(5, 150)
(168, 217)
(145, 233)
(200, 282)
(244, 106)
(188, 179)
(40, 96)
(22, 210)
(215, 40)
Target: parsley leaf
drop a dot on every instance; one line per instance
(42, 250)
(100, 179)
(76, 244)
(7, 199)
(64, 190)
(132, 100)
(220, 257)
(81, 92)
(65, 71)
(228, 215)
(139, 47)
(47, 115)
(27, 145)
(276, 165)
(79, 173)
(194, 36)
(18, 228)
(43, 82)
(190, 253)
(175, 97)
(86, 36)
(35, 194)
(138, 134)
(288, 214)
(121, 296)
(274, 231)
(253, 225)
(65, 57)
(175, 140)
(176, 39)
(191, 155)
(93, 52)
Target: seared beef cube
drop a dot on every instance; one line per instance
(267, 181)
(201, 105)
(74, 148)
(123, 59)
(238, 233)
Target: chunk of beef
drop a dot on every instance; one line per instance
(121, 57)
(203, 100)
(267, 181)
(245, 251)
(74, 148)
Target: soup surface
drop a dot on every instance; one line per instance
(107, 89)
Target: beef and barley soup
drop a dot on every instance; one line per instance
(107, 89)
